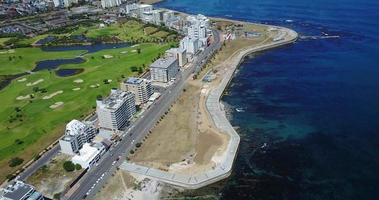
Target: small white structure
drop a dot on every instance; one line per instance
(64, 3)
(154, 97)
(87, 156)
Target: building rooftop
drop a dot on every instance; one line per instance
(18, 190)
(75, 127)
(133, 80)
(163, 62)
(114, 100)
(86, 154)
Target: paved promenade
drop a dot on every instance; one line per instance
(217, 113)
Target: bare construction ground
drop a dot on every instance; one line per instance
(52, 179)
(184, 139)
(117, 187)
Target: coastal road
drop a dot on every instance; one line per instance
(139, 129)
(46, 157)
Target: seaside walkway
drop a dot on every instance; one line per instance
(217, 113)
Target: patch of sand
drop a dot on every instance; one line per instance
(56, 105)
(129, 186)
(134, 51)
(23, 97)
(76, 89)
(124, 52)
(22, 80)
(136, 45)
(78, 81)
(107, 56)
(95, 86)
(8, 51)
(52, 95)
(109, 80)
(35, 82)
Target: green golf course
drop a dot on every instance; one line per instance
(36, 107)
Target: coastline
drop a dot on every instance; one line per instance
(217, 115)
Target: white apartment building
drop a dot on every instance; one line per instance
(180, 54)
(164, 69)
(69, 145)
(76, 134)
(191, 45)
(141, 88)
(158, 16)
(110, 3)
(115, 111)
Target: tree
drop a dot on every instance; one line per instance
(140, 70)
(69, 166)
(78, 167)
(138, 50)
(15, 161)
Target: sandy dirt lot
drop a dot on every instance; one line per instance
(52, 178)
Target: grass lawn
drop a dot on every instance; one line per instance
(130, 30)
(37, 125)
(2, 40)
(24, 59)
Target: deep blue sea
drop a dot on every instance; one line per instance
(314, 103)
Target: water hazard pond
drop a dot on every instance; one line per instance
(56, 63)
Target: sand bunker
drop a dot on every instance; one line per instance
(134, 50)
(35, 82)
(22, 80)
(123, 52)
(107, 56)
(52, 95)
(56, 105)
(76, 89)
(78, 81)
(8, 51)
(23, 97)
(95, 86)
(109, 80)
(136, 45)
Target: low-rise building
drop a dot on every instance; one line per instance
(116, 110)
(89, 155)
(164, 69)
(141, 88)
(19, 190)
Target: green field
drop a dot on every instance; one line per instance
(24, 59)
(29, 123)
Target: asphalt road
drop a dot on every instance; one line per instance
(91, 182)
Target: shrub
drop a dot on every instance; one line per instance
(138, 145)
(69, 166)
(78, 167)
(10, 177)
(15, 161)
